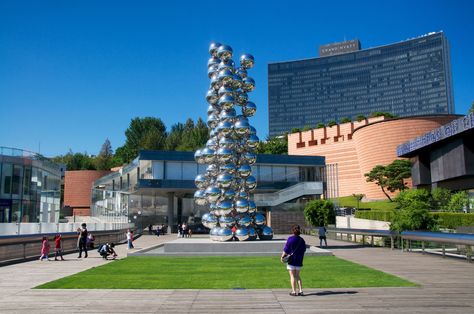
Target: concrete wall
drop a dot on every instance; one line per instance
(357, 147)
(357, 223)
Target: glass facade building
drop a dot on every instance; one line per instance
(30, 187)
(412, 77)
(156, 181)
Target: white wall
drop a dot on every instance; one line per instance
(357, 223)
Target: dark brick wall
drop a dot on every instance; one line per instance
(282, 221)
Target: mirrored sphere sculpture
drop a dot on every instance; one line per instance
(225, 187)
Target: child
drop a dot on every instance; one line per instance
(44, 249)
(58, 247)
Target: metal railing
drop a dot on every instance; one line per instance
(424, 242)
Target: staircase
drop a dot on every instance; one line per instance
(285, 195)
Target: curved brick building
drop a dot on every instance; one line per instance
(359, 146)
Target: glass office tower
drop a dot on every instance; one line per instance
(412, 77)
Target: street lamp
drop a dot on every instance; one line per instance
(139, 220)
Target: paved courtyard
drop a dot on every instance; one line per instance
(446, 286)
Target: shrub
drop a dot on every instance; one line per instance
(320, 125)
(295, 130)
(345, 120)
(458, 201)
(306, 128)
(332, 123)
(319, 212)
(453, 220)
(413, 213)
(381, 215)
(440, 199)
(360, 118)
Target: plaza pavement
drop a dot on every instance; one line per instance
(446, 286)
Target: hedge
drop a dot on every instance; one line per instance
(382, 215)
(453, 220)
(446, 220)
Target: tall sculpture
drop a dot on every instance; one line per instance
(226, 185)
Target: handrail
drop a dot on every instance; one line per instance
(455, 238)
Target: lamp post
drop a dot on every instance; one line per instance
(139, 220)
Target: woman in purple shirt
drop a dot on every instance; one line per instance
(295, 246)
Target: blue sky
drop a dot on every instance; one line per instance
(73, 73)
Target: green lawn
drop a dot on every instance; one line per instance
(218, 272)
(350, 201)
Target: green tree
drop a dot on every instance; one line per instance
(345, 120)
(106, 154)
(76, 161)
(458, 202)
(472, 108)
(320, 125)
(295, 130)
(174, 137)
(440, 199)
(413, 212)
(319, 212)
(359, 198)
(391, 177)
(360, 118)
(277, 145)
(194, 136)
(381, 113)
(143, 133)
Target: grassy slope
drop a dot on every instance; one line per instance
(350, 201)
(224, 273)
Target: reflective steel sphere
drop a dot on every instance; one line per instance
(208, 155)
(212, 120)
(225, 128)
(212, 70)
(227, 142)
(250, 158)
(224, 52)
(236, 82)
(211, 143)
(225, 207)
(241, 98)
(253, 131)
(242, 205)
(213, 61)
(224, 155)
(249, 109)
(248, 84)
(252, 234)
(215, 84)
(259, 219)
(212, 97)
(211, 171)
(209, 220)
(226, 221)
(252, 207)
(201, 181)
(252, 141)
(225, 91)
(245, 221)
(242, 127)
(225, 76)
(199, 157)
(229, 168)
(225, 234)
(213, 47)
(226, 102)
(229, 194)
(266, 233)
(247, 61)
(200, 198)
(250, 183)
(244, 171)
(227, 115)
(213, 193)
(224, 180)
(227, 64)
(243, 194)
(242, 234)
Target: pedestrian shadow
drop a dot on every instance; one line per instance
(323, 293)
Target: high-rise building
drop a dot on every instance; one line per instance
(412, 77)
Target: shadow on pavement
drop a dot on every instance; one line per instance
(322, 293)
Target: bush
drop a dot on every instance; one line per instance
(360, 118)
(413, 213)
(458, 201)
(332, 123)
(319, 212)
(320, 125)
(381, 215)
(295, 130)
(454, 220)
(345, 120)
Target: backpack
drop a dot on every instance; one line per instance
(100, 248)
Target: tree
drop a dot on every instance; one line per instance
(76, 161)
(193, 136)
(143, 133)
(277, 145)
(384, 114)
(359, 198)
(413, 212)
(104, 159)
(345, 120)
(458, 202)
(306, 128)
(319, 212)
(360, 118)
(391, 177)
(320, 125)
(440, 198)
(295, 130)
(332, 123)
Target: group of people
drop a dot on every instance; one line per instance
(184, 231)
(85, 241)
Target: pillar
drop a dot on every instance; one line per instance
(170, 211)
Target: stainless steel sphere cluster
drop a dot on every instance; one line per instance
(226, 185)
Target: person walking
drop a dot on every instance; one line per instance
(322, 236)
(130, 239)
(58, 247)
(44, 249)
(83, 241)
(294, 249)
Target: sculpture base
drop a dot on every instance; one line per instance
(204, 246)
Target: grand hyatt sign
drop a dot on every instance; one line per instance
(454, 127)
